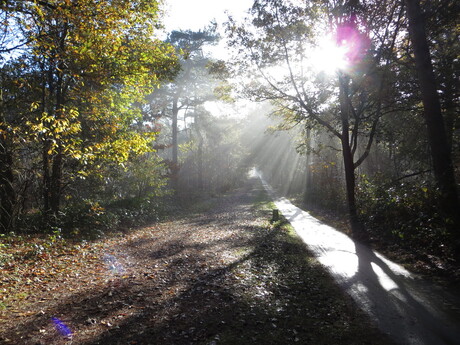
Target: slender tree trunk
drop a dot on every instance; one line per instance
(56, 183)
(199, 153)
(450, 105)
(56, 168)
(175, 111)
(46, 179)
(7, 191)
(347, 154)
(200, 165)
(58, 158)
(437, 137)
(308, 197)
(175, 160)
(49, 106)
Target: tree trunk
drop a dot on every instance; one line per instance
(46, 179)
(56, 184)
(200, 164)
(7, 192)
(450, 105)
(175, 160)
(175, 111)
(308, 197)
(450, 115)
(437, 137)
(347, 154)
(53, 162)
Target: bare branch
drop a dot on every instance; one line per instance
(369, 145)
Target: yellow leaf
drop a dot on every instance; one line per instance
(34, 106)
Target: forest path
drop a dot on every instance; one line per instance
(409, 309)
(218, 275)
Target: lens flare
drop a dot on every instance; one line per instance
(61, 327)
(352, 41)
(340, 49)
(113, 265)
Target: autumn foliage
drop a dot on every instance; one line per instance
(73, 76)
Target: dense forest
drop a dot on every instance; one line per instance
(104, 125)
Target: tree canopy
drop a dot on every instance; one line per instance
(71, 77)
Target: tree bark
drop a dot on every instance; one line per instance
(308, 197)
(7, 192)
(175, 112)
(199, 153)
(437, 137)
(450, 104)
(55, 183)
(347, 154)
(46, 179)
(175, 160)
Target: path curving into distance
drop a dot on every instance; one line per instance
(407, 308)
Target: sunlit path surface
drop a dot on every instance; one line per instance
(409, 309)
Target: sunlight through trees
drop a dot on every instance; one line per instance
(96, 113)
(343, 74)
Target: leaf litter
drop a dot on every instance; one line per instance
(224, 275)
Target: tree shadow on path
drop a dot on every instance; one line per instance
(411, 310)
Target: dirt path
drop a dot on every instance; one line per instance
(411, 310)
(223, 276)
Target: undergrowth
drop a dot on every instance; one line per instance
(406, 214)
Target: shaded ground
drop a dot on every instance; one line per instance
(224, 276)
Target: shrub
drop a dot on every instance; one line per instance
(406, 213)
(87, 219)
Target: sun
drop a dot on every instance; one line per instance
(341, 49)
(327, 56)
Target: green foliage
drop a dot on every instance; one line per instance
(89, 219)
(326, 187)
(405, 213)
(136, 211)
